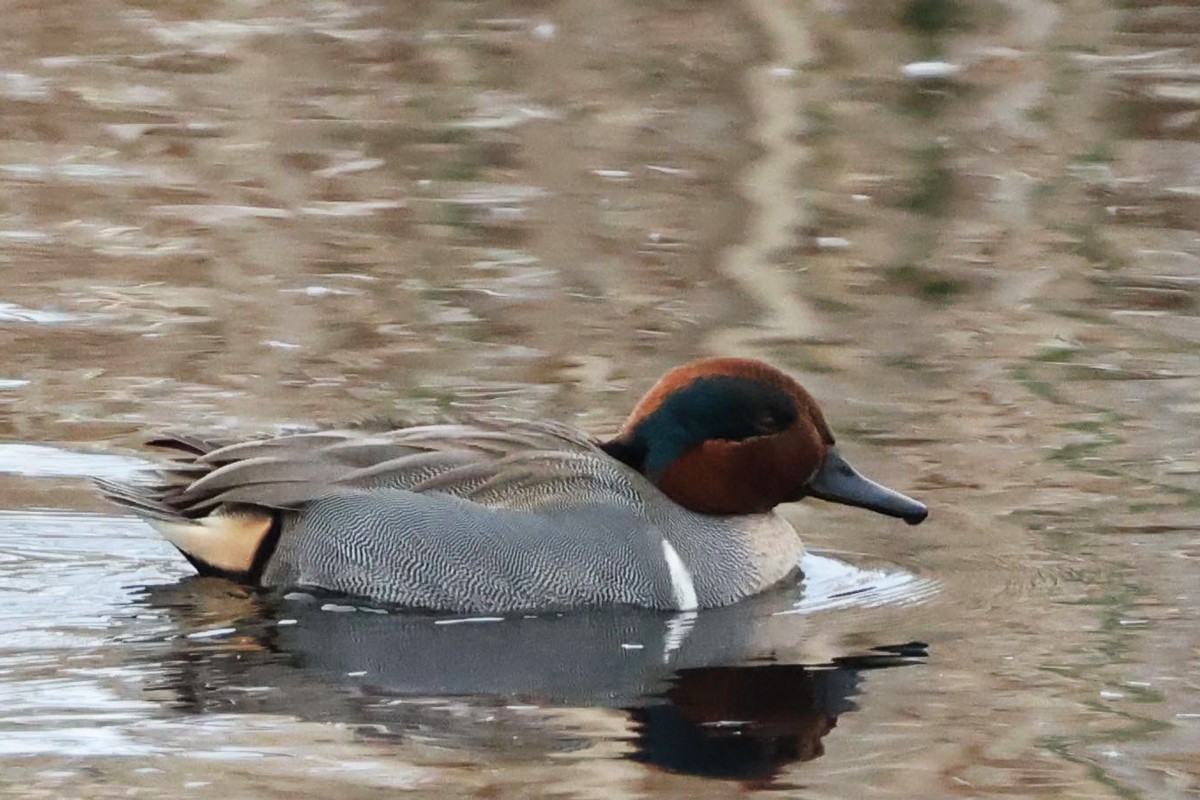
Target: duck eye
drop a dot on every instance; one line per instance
(766, 422)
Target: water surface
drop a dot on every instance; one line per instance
(970, 229)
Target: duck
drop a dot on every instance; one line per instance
(677, 511)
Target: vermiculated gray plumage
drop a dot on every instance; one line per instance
(498, 516)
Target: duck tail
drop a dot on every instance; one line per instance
(143, 499)
(229, 542)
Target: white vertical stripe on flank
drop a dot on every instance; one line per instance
(681, 580)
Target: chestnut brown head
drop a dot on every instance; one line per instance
(737, 436)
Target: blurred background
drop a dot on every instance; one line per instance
(970, 227)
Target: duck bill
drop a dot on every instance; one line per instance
(838, 482)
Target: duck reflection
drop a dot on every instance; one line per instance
(705, 694)
(748, 722)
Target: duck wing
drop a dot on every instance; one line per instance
(496, 462)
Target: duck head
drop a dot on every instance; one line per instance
(737, 436)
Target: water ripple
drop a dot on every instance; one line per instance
(831, 584)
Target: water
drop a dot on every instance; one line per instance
(970, 229)
(137, 646)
